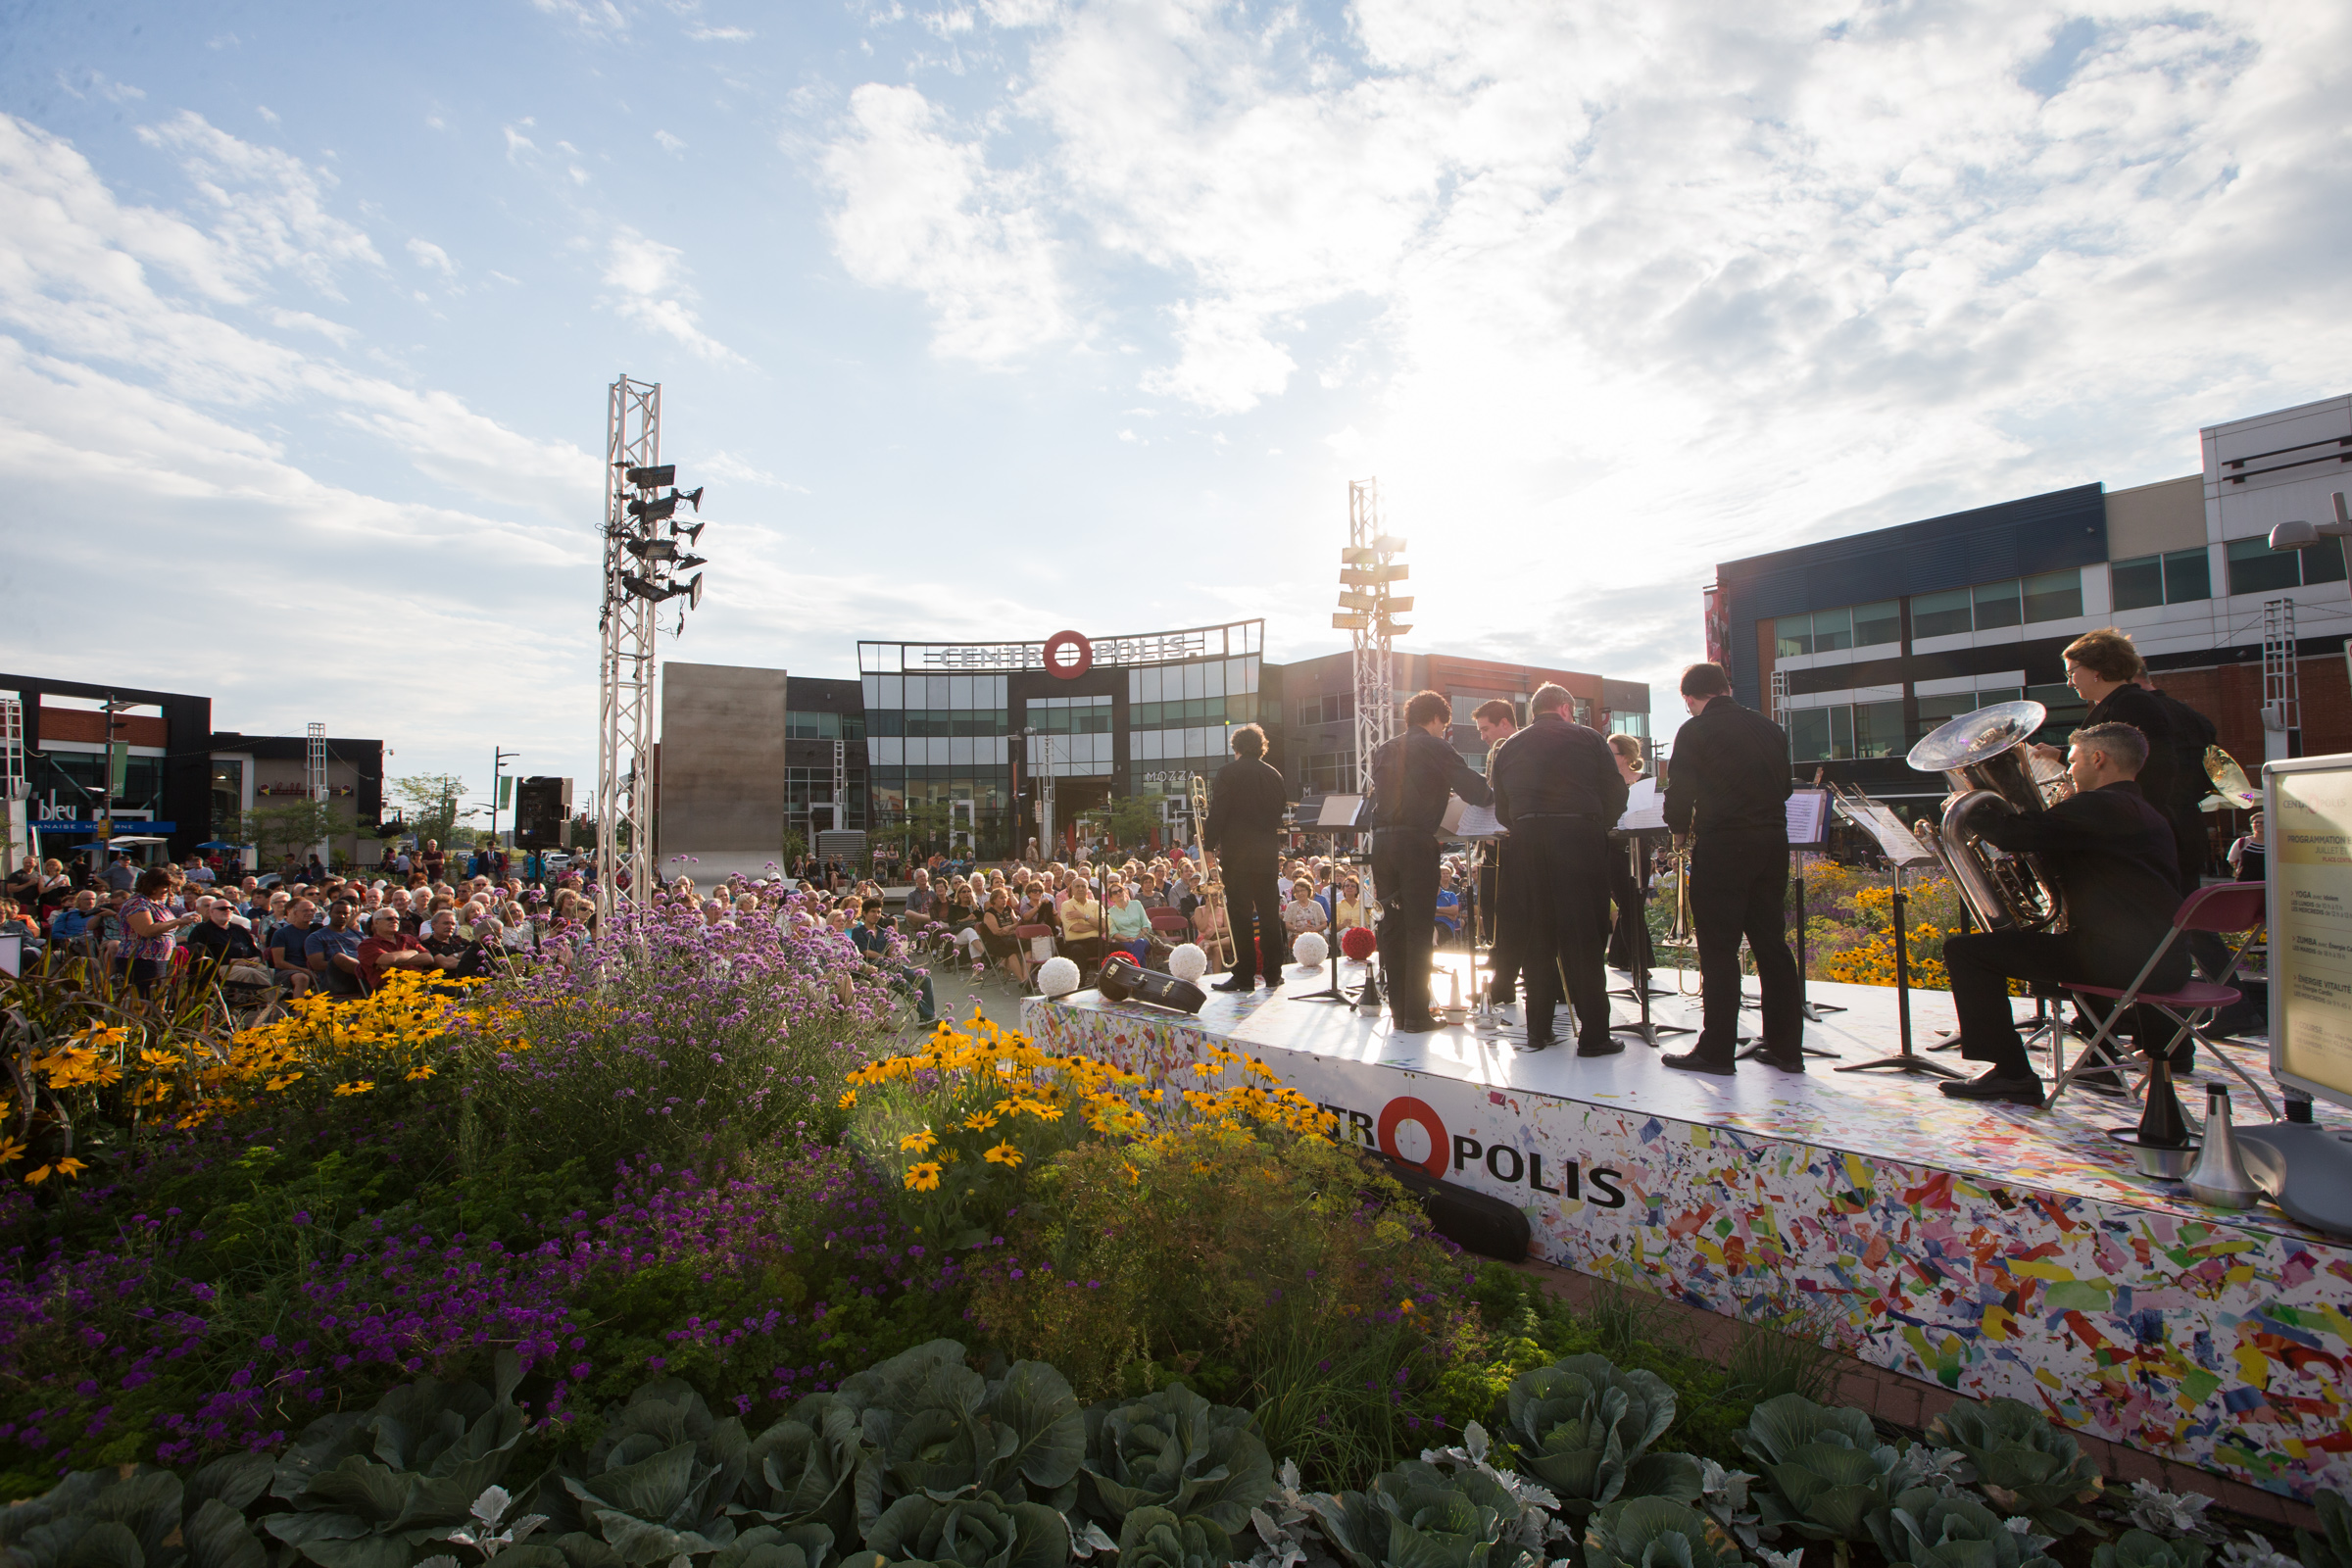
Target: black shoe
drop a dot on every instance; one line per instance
(1693, 1061)
(1785, 1060)
(1599, 1045)
(1274, 982)
(2019, 1089)
(1234, 982)
(1533, 1043)
(1406, 1024)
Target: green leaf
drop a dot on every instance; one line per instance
(218, 1535)
(236, 1479)
(653, 1488)
(369, 1551)
(1036, 1402)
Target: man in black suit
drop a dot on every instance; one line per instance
(2111, 852)
(1558, 791)
(1729, 786)
(1244, 834)
(1411, 777)
(1498, 722)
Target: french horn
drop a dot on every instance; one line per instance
(1988, 759)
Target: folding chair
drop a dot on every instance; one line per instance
(2224, 906)
(1028, 936)
(1169, 931)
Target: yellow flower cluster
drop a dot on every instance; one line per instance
(396, 1032)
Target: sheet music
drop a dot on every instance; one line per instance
(1897, 841)
(1466, 821)
(1645, 807)
(1808, 817)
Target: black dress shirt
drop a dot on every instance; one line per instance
(1556, 768)
(1729, 774)
(2112, 853)
(1244, 808)
(2145, 713)
(1412, 776)
(2192, 732)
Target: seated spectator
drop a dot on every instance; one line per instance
(1302, 914)
(288, 946)
(1352, 911)
(441, 937)
(223, 949)
(56, 889)
(878, 944)
(388, 947)
(13, 922)
(1081, 924)
(74, 924)
(332, 951)
(1127, 925)
(997, 940)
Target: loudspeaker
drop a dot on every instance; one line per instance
(543, 813)
(1124, 980)
(1471, 1220)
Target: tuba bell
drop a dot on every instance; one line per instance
(1987, 758)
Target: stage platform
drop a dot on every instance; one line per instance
(1989, 1248)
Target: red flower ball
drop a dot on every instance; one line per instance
(1359, 943)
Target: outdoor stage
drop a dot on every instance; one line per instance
(1990, 1249)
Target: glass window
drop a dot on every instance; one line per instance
(2188, 575)
(1794, 634)
(1998, 694)
(1808, 734)
(1882, 622)
(1997, 605)
(2138, 583)
(1937, 711)
(1833, 631)
(2067, 711)
(1841, 733)
(2256, 568)
(2054, 595)
(1879, 729)
(1940, 614)
(2323, 561)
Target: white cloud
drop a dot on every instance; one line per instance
(1021, 13)
(1226, 363)
(654, 293)
(723, 466)
(920, 209)
(670, 143)
(708, 35)
(267, 113)
(427, 254)
(517, 144)
(270, 205)
(597, 19)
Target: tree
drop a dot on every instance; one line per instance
(295, 828)
(432, 802)
(1132, 819)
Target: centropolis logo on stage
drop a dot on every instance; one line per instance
(1452, 1155)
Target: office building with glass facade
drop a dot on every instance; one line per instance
(1863, 644)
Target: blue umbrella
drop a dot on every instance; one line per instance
(217, 843)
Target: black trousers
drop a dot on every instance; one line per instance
(1629, 893)
(1740, 888)
(1497, 925)
(1253, 905)
(1404, 867)
(2191, 847)
(1561, 887)
(1983, 964)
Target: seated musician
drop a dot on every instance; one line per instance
(2111, 853)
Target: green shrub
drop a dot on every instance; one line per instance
(1584, 1428)
(1155, 1538)
(2026, 1463)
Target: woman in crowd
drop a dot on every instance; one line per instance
(997, 921)
(150, 930)
(1081, 924)
(1127, 925)
(1353, 910)
(1303, 913)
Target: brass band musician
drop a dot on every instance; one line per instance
(1629, 889)
(1496, 724)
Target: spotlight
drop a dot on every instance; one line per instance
(1350, 621)
(1356, 556)
(653, 549)
(646, 509)
(1356, 601)
(1357, 576)
(1389, 544)
(693, 497)
(1395, 571)
(686, 562)
(691, 535)
(1401, 602)
(652, 478)
(694, 592)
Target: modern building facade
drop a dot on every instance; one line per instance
(181, 780)
(999, 743)
(1865, 643)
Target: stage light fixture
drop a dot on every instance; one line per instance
(1350, 621)
(689, 563)
(1390, 544)
(1354, 557)
(1395, 571)
(1395, 628)
(1356, 577)
(691, 535)
(655, 510)
(653, 549)
(694, 592)
(652, 478)
(1352, 599)
(693, 497)
(1400, 603)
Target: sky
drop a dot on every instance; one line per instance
(987, 320)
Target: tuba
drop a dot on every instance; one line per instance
(1986, 757)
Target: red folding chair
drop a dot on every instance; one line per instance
(2224, 906)
(1027, 936)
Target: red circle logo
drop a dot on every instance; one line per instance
(1068, 669)
(1403, 1108)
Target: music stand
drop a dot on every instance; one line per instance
(1645, 1029)
(1901, 849)
(1338, 812)
(1808, 829)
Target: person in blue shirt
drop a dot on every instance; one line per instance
(75, 921)
(878, 945)
(337, 939)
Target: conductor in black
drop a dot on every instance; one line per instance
(1558, 791)
(1245, 833)
(1729, 786)
(1412, 776)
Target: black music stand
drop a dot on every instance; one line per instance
(1338, 812)
(1643, 1029)
(1808, 830)
(1901, 849)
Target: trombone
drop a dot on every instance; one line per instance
(1679, 934)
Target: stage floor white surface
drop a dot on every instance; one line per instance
(1987, 1247)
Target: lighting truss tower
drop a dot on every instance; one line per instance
(313, 780)
(625, 744)
(15, 788)
(1368, 573)
(1779, 698)
(2281, 682)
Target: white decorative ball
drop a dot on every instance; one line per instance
(1187, 961)
(1057, 977)
(1310, 948)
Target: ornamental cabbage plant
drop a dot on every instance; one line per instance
(1829, 1472)
(941, 1430)
(1584, 1428)
(1928, 1528)
(1176, 1451)
(2025, 1463)
(1654, 1533)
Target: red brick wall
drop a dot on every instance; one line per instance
(81, 724)
(2231, 695)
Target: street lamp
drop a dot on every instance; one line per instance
(2300, 535)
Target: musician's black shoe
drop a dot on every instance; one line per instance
(1693, 1061)
(2017, 1089)
(1785, 1060)
(1599, 1045)
(1234, 982)
(1274, 981)
(1407, 1024)
(1535, 1043)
